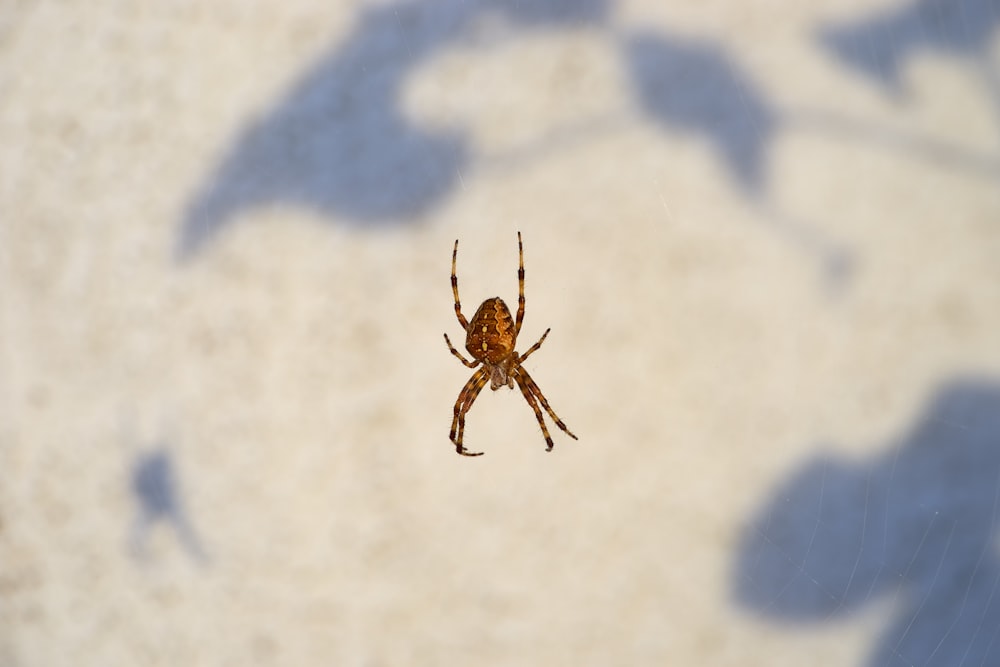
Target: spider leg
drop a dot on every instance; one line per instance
(454, 289)
(470, 364)
(534, 347)
(465, 399)
(520, 286)
(461, 419)
(534, 406)
(522, 376)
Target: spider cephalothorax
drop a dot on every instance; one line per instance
(490, 338)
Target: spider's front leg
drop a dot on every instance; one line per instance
(454, 288)
(520, 286)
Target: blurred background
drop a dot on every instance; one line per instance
(766, 237)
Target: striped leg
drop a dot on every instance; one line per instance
(534, 347)
(524, 377)
(465, 399)
(520, 286)
(454, 289)
(470, 364)
(538, 413)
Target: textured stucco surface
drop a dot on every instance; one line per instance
(225, 235)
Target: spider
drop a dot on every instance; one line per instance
(490, 338)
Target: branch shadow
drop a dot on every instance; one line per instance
(880, 45)
(339, 143)
(694, 86)
(915, 526)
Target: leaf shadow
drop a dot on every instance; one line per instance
(338, 141)
(915, 525)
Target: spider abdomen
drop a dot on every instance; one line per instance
(491, 333)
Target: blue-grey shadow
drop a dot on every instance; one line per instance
(880, 44)
(159, 502)
(916, 525)
(339, 142)
(693, 86)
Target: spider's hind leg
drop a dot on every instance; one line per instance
(465, 399)
(522, 376)
(538, 413)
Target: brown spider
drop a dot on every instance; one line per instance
(490, 338)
